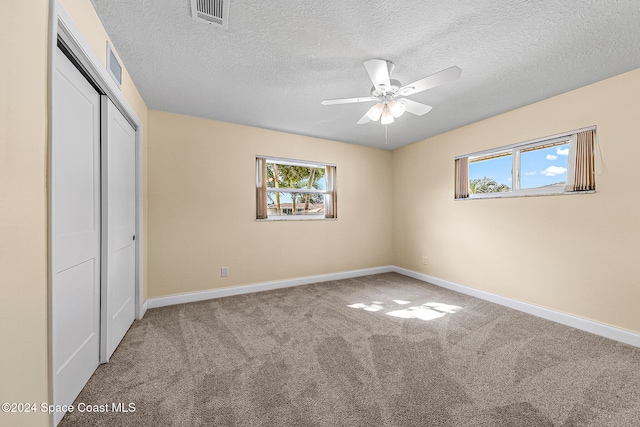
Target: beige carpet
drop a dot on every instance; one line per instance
(383, 350)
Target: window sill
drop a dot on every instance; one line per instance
(296, 218)
(511, 196)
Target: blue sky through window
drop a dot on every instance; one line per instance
(546, 166)
(499, 169)
(538, 168)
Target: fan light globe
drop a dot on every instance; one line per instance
(387, 117)
(397, 108)
(375, 112)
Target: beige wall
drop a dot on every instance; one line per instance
(576, 254)
(24, 77)
(85, 17)
(23, 206)
(202, 208)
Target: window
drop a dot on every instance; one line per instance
(554, 158)
(555, 165)
(490, 174)
(293, 189)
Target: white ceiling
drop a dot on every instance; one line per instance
(279, 59)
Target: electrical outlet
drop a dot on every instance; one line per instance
(224, 272)
(424, 259)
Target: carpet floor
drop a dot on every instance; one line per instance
(381, 350)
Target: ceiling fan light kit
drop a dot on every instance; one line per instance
(387, 117)
(388, 93)
(397, 108)
(375, 112)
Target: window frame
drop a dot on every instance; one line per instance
(515, 150)
(303, 163)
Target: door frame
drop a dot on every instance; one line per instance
(63, 28)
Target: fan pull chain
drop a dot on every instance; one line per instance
(386, 134)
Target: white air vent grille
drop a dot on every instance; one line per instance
(215, 12)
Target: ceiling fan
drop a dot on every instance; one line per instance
(390, 94)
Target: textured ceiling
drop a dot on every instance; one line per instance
(279, 59)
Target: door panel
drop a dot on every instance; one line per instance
(119, 188)
(123, 272)
(70, 286)
(75, 231)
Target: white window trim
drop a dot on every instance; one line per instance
(293, 162)
(546, 139)
(514, 149)
(296, 190)
(311, 217)
(509, 195)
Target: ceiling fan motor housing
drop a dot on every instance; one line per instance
(391, 91)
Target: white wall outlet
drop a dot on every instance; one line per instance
(424, 259)
(224, 272)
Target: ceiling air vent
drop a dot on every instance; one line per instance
(214, 12)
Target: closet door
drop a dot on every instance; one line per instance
(118, 188)
(75, 231)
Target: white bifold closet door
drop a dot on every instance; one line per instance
(75, 231)
(119, 196)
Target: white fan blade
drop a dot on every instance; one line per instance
(348, 100)
(437, 79)
(416, 108)
(379, 73)
(364, 119)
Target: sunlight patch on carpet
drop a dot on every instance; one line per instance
(426, 311)
(365, 307)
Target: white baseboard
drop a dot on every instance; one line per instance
(601, 329)
(259, 287)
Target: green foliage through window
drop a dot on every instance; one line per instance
(287, 177)
(486, 185)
